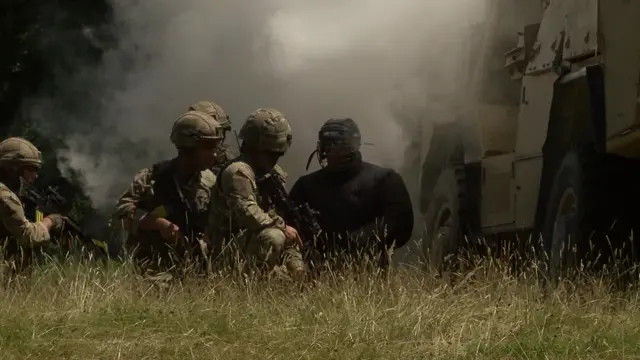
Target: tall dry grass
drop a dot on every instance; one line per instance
(86, 310)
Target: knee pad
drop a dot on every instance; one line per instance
(274, 237)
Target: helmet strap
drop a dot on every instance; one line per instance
(20, 186)
(314, 152)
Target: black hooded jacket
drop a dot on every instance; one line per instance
(361, 197)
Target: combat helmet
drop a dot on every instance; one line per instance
(17, 151)
(342, 132)
(193, 126)
(214, 110)
(266, 129)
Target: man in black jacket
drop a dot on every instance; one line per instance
(363, 209)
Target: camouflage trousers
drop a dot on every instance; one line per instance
(264, 250)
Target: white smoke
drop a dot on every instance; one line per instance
(312, 60)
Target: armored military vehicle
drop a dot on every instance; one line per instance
(544, 135)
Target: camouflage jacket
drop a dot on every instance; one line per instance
(240, 205)
(154, 190)
(14, 225)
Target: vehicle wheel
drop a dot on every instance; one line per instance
(574, 213)
(442, 231)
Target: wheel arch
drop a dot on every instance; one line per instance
(576, 119)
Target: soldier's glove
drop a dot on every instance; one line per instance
(57, 222)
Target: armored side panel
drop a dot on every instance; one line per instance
(498, 99)
(535, 104)
(619, 42)
(565, 34)
(581, 29)
(493, 98)
(567, 31)
(496, 208)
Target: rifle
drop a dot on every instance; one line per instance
(49, 201)
(301, 217)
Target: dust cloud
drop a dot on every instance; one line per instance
(313, 60)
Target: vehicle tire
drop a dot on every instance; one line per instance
(575, 213)
(443, 220)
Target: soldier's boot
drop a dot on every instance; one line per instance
(295, 265)
(298, 273)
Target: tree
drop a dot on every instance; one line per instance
(44, 45)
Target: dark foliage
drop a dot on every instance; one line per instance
(45, 44)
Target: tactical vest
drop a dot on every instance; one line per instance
(187, 208)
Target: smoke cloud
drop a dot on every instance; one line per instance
(313, 60)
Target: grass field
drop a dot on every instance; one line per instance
(82, 312)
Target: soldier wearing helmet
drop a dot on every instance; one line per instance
(226, 153)
(20, 161)
(164, 210)
(362, 208)
(243, 210)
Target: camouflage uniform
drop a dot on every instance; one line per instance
(157, 191)
(18, 235)
(243, 211)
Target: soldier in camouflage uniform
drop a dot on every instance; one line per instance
(165, 209)
(226, 153)
(243, 211)
(20, 161)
